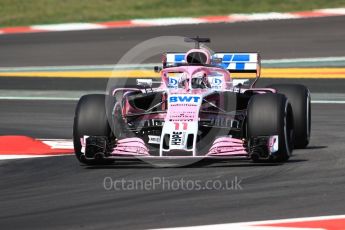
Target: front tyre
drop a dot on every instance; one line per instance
(269, 115)
(90, 120)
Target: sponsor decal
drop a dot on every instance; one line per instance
(186, 116)
(216, 82)
(176, 138)
(154, 139)
(173, 82)
(187, 99)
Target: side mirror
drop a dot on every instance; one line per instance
(236, 82)
(157, 69)
(146, 83)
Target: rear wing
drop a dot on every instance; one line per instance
(233, 62)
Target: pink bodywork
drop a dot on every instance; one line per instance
(221, 147)
(131, 147)
(225, 146)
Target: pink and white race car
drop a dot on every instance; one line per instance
(196, 111)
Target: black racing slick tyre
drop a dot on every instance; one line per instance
(269, 115)
(299, 97)
(90, 120)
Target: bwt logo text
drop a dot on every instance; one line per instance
(194, 99)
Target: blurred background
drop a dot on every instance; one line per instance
(22, 12)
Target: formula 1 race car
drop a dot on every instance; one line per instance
(196, 111)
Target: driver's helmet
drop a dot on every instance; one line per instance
(200, 81)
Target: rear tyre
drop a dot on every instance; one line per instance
(90, 120)
(299, 97)
(268, 115)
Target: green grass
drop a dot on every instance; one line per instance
(28, 12)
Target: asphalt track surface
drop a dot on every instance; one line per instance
(59, 193)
